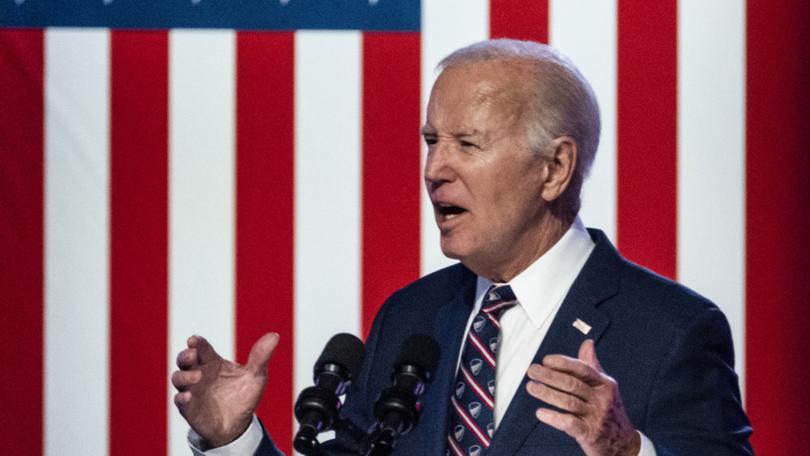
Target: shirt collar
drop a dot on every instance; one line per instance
(542, 286)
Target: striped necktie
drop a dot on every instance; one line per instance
(472, 421)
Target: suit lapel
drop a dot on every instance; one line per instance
(449, 327)
(596, 282)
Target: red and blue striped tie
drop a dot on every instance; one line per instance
(472, 421)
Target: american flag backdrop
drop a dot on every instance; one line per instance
(228, 168)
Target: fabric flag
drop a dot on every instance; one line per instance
(177, 168)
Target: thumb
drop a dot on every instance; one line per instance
(587, 353)
(261, 352)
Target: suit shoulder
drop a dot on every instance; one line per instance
(442, 282)
(661, 296)
(634, 290)
(438, 285)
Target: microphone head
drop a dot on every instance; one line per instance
(345, 350)
(420, 350)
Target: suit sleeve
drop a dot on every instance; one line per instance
(266, 446)
(695, 406)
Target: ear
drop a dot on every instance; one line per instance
(560, 167)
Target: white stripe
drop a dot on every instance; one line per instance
(585, 31)
(469, 422)
(327, 192)
(493, 320)
(76, 241)
(446, 26)
(474, 384)
(500, 305)
(482, 349)
(711, 156)
(455, 446)
(201, 198)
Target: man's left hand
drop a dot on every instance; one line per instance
(596, 417)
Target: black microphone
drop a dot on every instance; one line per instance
(397, 408)
(317, 407)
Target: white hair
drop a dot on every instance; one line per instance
(557, 98)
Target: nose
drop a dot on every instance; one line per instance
(438, 169)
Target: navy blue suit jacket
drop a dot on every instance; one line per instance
(668, 348)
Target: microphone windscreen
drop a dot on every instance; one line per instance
(420, 350)
(345, 350)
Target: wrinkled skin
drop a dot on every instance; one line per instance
(597, 419)
(216, 396)
(491, 193)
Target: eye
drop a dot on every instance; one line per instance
(467, 144)
(430, 140)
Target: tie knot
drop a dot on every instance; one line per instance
(498, 299)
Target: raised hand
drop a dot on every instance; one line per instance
(216, 396)
(596, 417)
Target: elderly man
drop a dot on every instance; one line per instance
(512, 129)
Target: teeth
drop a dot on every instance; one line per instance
(449, 210)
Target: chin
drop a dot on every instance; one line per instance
(451, 254)
(475, 260)
(450, 249)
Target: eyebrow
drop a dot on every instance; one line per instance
(464, 134)
(428, 130)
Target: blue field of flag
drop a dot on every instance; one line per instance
(366, 15)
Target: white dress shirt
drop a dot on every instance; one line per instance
(246, 444)
(540, 290)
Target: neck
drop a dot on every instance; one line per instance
(539, 241)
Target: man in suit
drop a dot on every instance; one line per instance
(512, 128)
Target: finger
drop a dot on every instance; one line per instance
(587, 353)
(560, 381)
(205, 352)
(261, 352)
(566, 422)
(575, 367)
(559, 399)
(187, 359)
(182, 399)
(182, 380)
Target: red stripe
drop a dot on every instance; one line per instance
(477, 388)
(21, 240)
(264, 215)
(470, 423)
(138, 240)
(481, 348)
(454, 446)
(391, 168)
(647, 133)
(500, 305)
(777, 213)
(519, 19)
(493, 320)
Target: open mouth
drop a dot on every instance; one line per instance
(449, 210)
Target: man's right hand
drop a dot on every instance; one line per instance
(216, 396)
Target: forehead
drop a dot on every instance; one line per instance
(473, 94)
(483, 82)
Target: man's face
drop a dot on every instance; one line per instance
(483, 180)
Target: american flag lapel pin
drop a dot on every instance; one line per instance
(582, 326)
